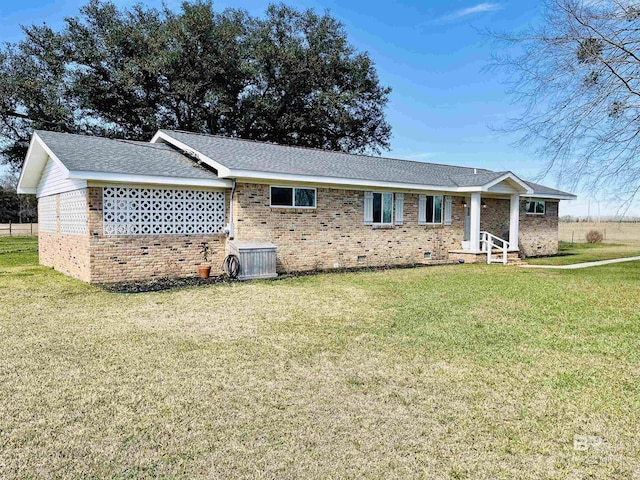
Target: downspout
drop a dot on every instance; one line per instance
(230, 229)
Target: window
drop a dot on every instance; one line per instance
(430, 209)
(535, 207)
(382, 208)
(293, 197)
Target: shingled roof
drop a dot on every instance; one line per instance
(97, 154)
(237, 157)
(248, 155)
(183, 158)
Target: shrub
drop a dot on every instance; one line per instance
(594, 236)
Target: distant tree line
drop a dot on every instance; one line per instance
(602, 219)
(13, 207)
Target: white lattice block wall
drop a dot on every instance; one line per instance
(73, 212)
(151, 211)
(48, 214)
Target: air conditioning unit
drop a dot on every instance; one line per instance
(257, 259)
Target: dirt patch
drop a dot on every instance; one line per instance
(160, 284)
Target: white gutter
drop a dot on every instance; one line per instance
(257, 175)
(152, 179)
(230, 226)
(552, 196)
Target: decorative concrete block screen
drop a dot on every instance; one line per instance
(48, 214)
(73, 212)
(151, 211)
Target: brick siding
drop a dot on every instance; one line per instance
(96, 258)
(68, 254)
(121, 257)
(331, 235)
(539, 233)
(334, 234)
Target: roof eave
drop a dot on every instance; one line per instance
(553, 196)
(270, 176)
(149, 179)
(34, 163)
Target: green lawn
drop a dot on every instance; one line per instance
(461, 371)
(586, 252)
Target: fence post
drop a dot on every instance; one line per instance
(9, 227)
(572, 232)
(31, 225)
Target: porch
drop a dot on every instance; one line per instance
(497, 241)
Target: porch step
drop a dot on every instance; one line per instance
(481, 257)
(512, 258)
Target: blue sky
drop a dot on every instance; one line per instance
(430, 52)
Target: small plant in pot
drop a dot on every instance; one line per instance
(204, 270)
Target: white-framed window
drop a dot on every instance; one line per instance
(429, 209)
(382, 208)
(293, 197)
(535, 207)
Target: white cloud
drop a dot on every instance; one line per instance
(420, 156)
(479, 8)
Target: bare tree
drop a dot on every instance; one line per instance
(578, 76)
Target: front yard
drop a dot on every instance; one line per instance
(571, 253)
(465, 371)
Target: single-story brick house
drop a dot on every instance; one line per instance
(113, 210)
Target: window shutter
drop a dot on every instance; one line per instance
(447, 209)
(422, 209)
(399, 208)
(368, 208)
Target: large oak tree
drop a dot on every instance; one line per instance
(288, 76)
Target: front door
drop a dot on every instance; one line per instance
(467, 224)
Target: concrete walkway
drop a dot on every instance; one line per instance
(584, 265)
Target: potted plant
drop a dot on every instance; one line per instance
(204, 270)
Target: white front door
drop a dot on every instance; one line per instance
(466, 244)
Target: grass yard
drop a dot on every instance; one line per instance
(614, 232)
(454, 372)
(587, 252)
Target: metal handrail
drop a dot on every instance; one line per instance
(487, 240)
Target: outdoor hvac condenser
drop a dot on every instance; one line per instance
(257, 259)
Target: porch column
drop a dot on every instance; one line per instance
(514, 222)
(474, 220)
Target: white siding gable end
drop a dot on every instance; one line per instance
(54, 180)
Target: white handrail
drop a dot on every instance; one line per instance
(487, 240)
